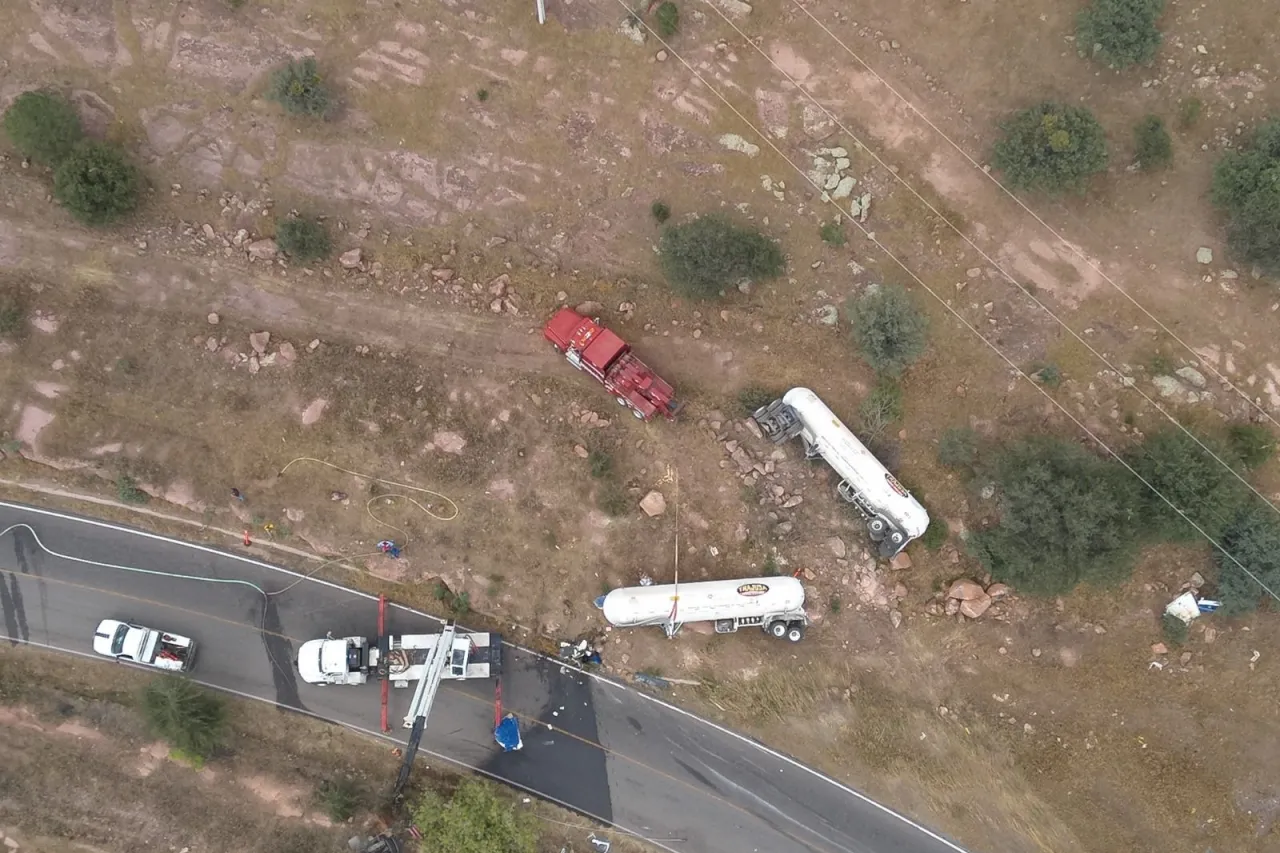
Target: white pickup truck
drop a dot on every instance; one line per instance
(126, 641)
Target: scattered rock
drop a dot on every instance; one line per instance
(498, 287)
(817, 124)
(294, 515)
(966, 590)
(442, 274)
(262, 250)
(998, 591)
(581, 451)
(836, 544)
(448, 442)
(254, 365)
(733, 8)
(208, 231)
(975, 607)
(589, 309)
(895, 618)
(351, 259)
(496, 306)
(632, 30)
(288, 355)
(661, 56)
(829, 315)
(337, 497)
(653, 504)
(259, 341)
(1192, 376)
(1159, 649)
(211, 344)
(900, 561)
(213, 319)
(1204, 255)
(1197, 581)
(734, 142)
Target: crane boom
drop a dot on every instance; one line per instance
(424, 696)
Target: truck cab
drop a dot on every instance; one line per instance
(332, 660)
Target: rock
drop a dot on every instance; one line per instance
(314, 345)
(498, 287)
(208, 231)
(262, 250)
(899, 590)
(632, 30)
(953, 607)
(589, 309)
(734, 142)
(443, 274)
(239, 238)
(836, 544)
(1168, 386)
(1192, 376)
(254, 366)
(1159, 649)
(808, 574)
(817, 124)
(1210, 634)
(661, 56)
(966, 590)
(793, 501)
(1197, 581)
(844, 188)
(1204, 255)
(829, 315)
(337, 497)
(653, 504)
(211, 344)
(580, 451)
(895, 618)
(496, 306)
(975, 607)
(733, 8)
(351, 259)
(288, 355)
(259, 341)
(294, 515)
(998, 591)
(900, 561)
(449, 442)
(213, 319)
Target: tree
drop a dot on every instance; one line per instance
(97, 184)
(303, 239)
(476, 819)
(1246, 187)
(1191, 478)
(1252, 538)
(888, 329)
(705, 255)
(958, 447)
(1120, 32)
(299, 88)
(1153, 147)
(186, 715)
(668, 19)
(43, 126)
(1253, 444)
(1051, 148)
(1066, 517)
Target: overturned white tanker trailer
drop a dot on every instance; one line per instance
(893, 516)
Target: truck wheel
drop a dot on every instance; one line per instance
(622, 401)
(795, 632)
(878, 527)
(778, 628)
(638, 415)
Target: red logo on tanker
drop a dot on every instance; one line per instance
(753, 589)
(894, 484)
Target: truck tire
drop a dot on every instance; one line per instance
(795, 632)
(878, 527)
(778, 628)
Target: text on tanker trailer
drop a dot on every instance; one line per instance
(893, 516)
(774, 604)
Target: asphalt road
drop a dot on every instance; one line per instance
(590, 744)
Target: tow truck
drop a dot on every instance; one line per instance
(600, 353)
(126, 641)
(401, 659)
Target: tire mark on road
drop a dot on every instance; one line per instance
(22, 552)
(15, 616)
(280, 657)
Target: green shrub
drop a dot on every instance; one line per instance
(834, 604)
(1246, 189)
(482, 95)
(13, 311)
(299, 88)
(702, 257)
(181, 712)
(1048, 374)
(1189, 113)
(613, 499)
(128, 492)
(476, 819)
(958, 447)
(668, 19)
(882, 407)
(43, 126)
(888, 329)
(935, 535)
(1051, 148)
(303, 239)
(1252, 537)
(340, 798)
(1153, 147)
(1173, 629)
(1066, 517)
(601, 464)
(1192, 480)
(1252, 444)
(97, 184)
(832, 234)
(1120, 32)
(660, 211)
(755, 397)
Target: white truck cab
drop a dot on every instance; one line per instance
(400, 658)
(126, 641)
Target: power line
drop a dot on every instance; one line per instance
(959, 318)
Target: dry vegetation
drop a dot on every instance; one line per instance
(113, 369)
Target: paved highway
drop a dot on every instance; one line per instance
(592, 745)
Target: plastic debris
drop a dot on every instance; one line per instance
(507, 734)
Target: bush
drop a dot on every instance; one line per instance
(660, 211)
(613, 499)
(1246, 189)
(1120, 32)
(1051, 148)
(1173, 629)
(186, 715)
(958, 448)
(1153, 147)
(97, 184)
(668, 19)
(476, 819)
(1193, 481)
(888, 329)
(299, 88)
(755, 397)
(702, 257)
(1252, 537)
(128, 492)
(13, 311)
(1252, 444)
(601, 464)
(832, 234)
(303, 239)
(935, 535)
(1189, 113)
(340, 798)
(43, 126)
(1066, 517)
(1049, 375)
(883, 406)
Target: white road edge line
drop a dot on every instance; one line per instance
(624, 830)
(817, 774)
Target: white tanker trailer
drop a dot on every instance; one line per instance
(893, 516)
(774, 604)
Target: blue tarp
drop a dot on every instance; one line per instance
(507, 734)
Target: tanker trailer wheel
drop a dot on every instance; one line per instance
(878, 528)
(622, 401)
(637, 414)
(778, 628)
(795, 632)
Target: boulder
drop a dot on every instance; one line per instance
(259, 341)
(733, 8)
(589, 309)
(653, 504)
(351, 259)
(900, 561)
(966, 590)
(288, 355)
(836, 544)
(262, 250)
(975, 607)
(998, 591)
